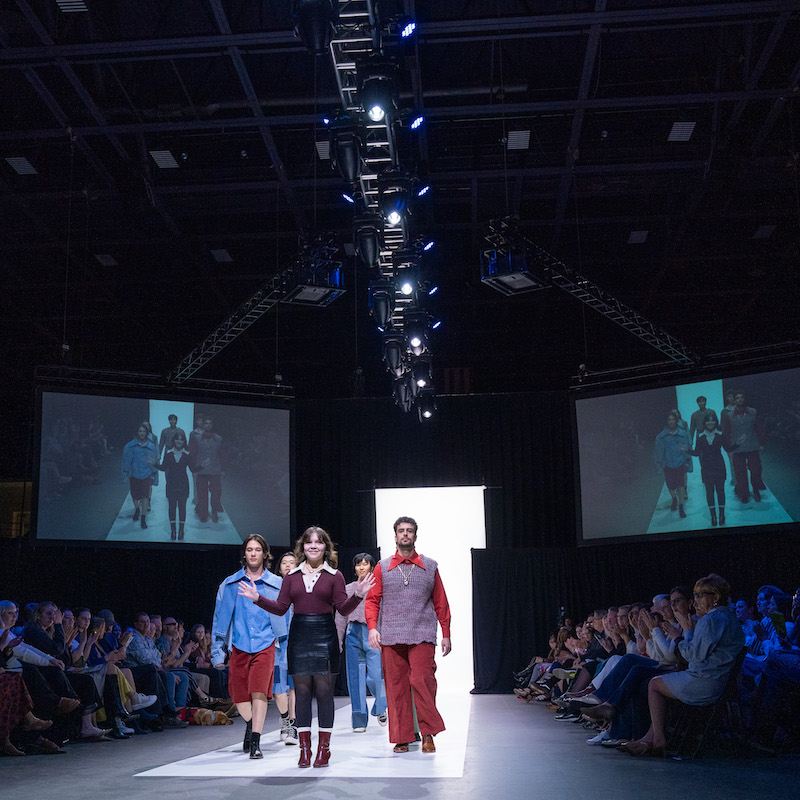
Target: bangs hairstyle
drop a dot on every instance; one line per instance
(330, 555)
(259, 539)
(276, 567)
(716, 584)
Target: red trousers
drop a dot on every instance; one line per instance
(407, 667)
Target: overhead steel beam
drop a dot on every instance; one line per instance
(589, 60)
(262, 122)
(432, 113)
(444, 30)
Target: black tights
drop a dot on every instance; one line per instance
(179, 504)
(319, 686)
(719, 485)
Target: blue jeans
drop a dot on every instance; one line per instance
(626, 677)
(363, 672)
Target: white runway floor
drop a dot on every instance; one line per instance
(352, 754)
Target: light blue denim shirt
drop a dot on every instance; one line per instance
(240, 622)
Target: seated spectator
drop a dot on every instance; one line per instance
(711, 647)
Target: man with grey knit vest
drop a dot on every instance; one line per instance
(409, 598)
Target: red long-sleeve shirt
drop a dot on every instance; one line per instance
(372, 605)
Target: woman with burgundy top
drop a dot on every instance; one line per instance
(315, 587)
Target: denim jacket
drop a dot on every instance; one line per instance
(240, 622)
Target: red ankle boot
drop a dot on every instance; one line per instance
(323, 750)
(305, 749)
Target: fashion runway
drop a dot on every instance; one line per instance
(353, 754)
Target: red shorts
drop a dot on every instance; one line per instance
(251, 672)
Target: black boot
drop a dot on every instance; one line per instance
(255, 745)
(713, 512)
(674, 503)
(180, 532)
(248, 732)
(142, 522)
(681, 512)
(136, 513)
(172, 531)
(722, 515)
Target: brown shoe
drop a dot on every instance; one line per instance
(401, 747)
(33, 723)
(427, 744)
(67, 705)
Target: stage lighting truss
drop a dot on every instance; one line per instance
(366, 77)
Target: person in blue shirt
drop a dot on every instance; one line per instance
(249, 635)
(139, 459)
(671, 455)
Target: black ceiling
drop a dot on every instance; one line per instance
(228, 89)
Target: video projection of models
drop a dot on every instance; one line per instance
(123, 469)
(710, 455)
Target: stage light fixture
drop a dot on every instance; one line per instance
(416, 123)
(423, 191)
(394, 352)
(406, 26)
(377, 87)
(402, 396)
(316, 278)
(426, 404)
(313, 22)
(436, 324)
(348, 197)
(421, 371)
(415, 328)
(368, 238)
(347, 142)
(433, 290)
(428, 246)
(394, 186)
(326, 120)
(381, 302)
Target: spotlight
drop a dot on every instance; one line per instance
(433, 291)
(377, 87)
(394, 185)
(415, 328)
(421, 371)
(406, 27)
(347, 141)
(326, 120)
(347, 197)
(428, 246)
(417, 122)
(426, 404)
(381, 302)
(394, 352)
(402, 396)
(406, 271)
(367, 237)
(423, 191)
(436, 324)
(313, 23)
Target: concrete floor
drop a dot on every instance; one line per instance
(514, 750)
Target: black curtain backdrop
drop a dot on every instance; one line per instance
(519, 446)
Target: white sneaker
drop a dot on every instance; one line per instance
(142, 700)
(600, 738)
(383, 719)
(359, 730)
(291, 734)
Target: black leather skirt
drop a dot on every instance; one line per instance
(313, 645)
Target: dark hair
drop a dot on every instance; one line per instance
(172, 416)
(257, 537)
(363, 557)
(710, 414)
(768, 591)
(78, 611)
(684, 591)
(407, 520)
(40, 607)
(331, 556)
(180, 436)
(701, 398)
(277, 565)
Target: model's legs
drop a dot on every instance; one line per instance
(754, 464)
(423, 682)
(303, 687)
(740, 471)
(202, 496)
(215, 485)
(356, 661)
(259, 706)
(396, 672)
(374, 675)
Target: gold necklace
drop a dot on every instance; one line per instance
(406, 577)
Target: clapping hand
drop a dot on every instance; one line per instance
(684, 620)
(250, 592)
(364, 585)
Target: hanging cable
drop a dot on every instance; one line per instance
(64, 345)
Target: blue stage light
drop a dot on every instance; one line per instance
(428, 246)
(424, 190)
(417, 122)
(408, 29)
(348, 198)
